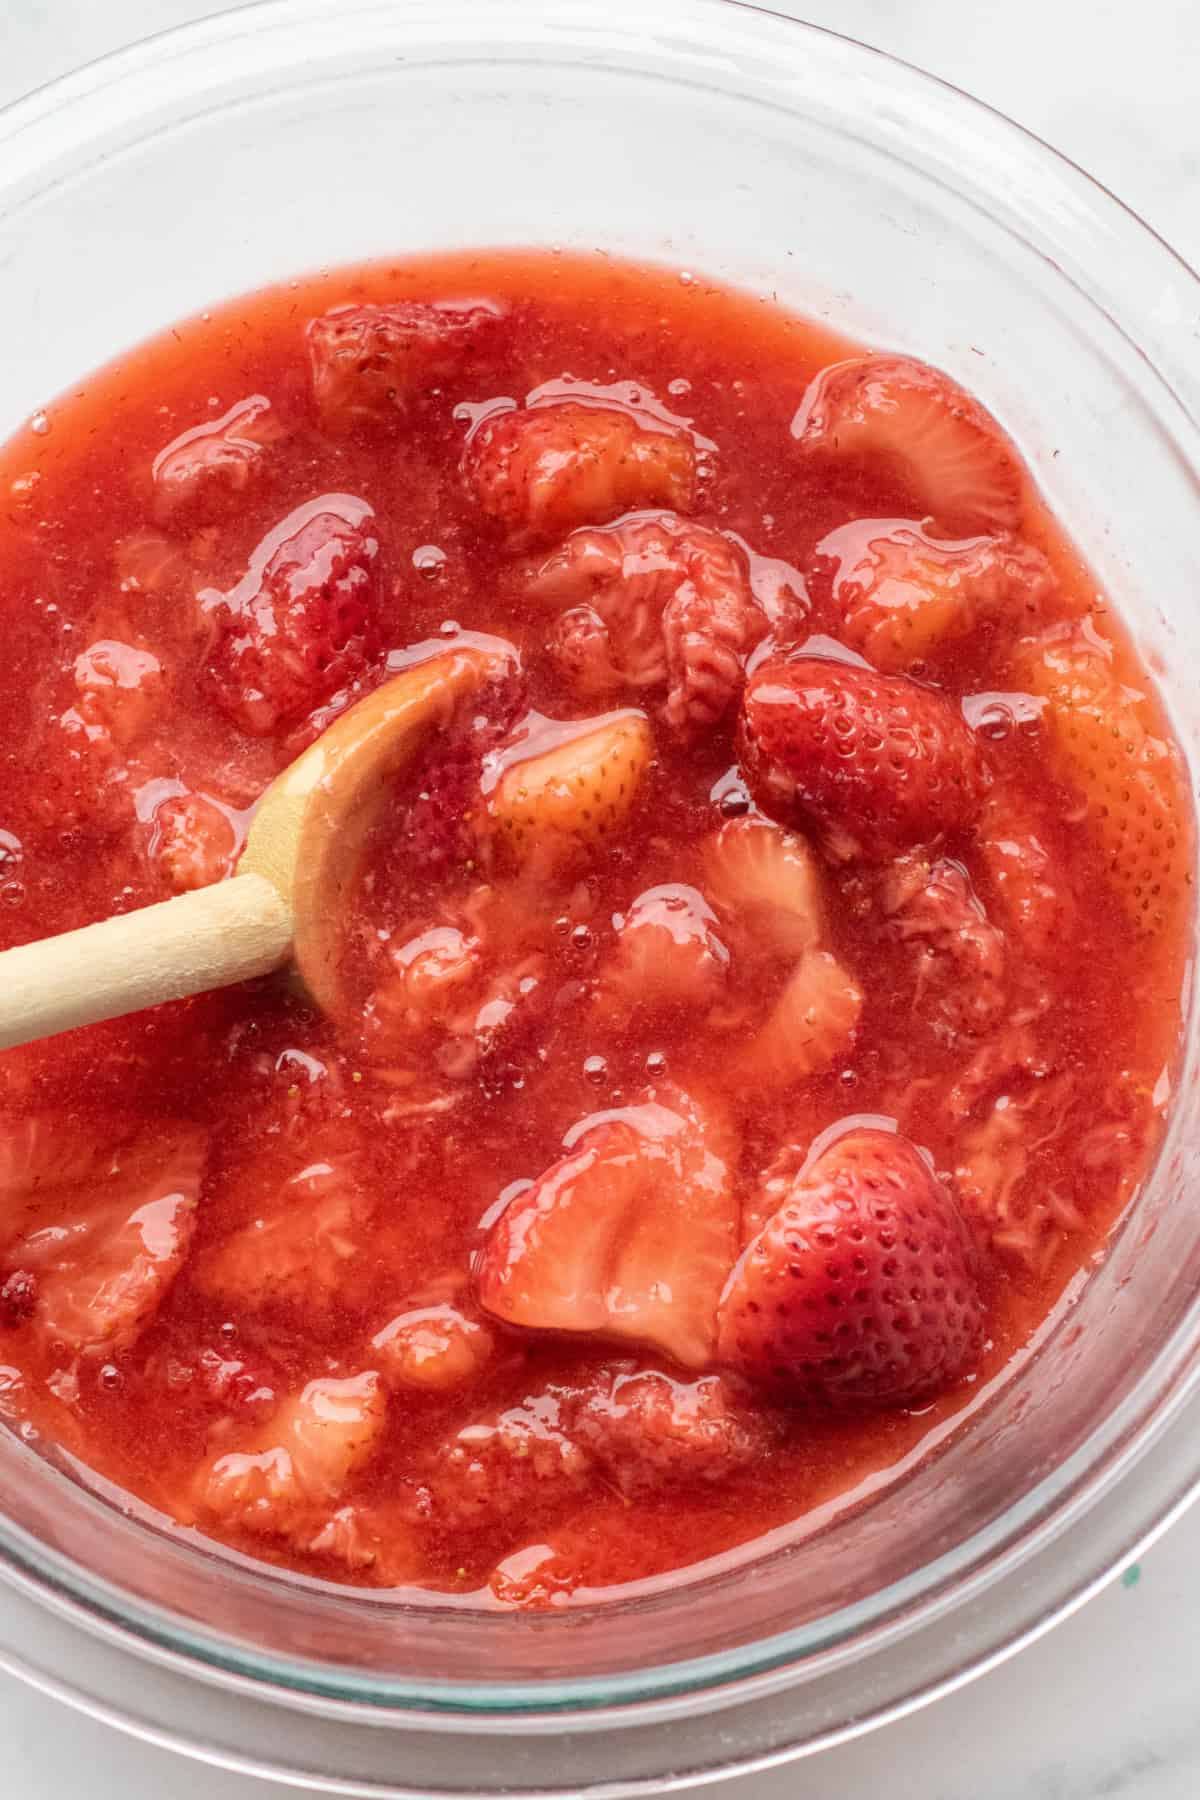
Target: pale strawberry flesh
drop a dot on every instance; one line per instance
(628, 1236)
(957, 463)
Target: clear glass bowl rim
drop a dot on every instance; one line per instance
(60, 117)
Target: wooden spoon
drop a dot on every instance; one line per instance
(286, 901)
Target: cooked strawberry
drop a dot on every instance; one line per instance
(306, 1249)
(542, 471)
(591, 1549)
(430, 973)
(540, 1576)
(1108, 745)
(96, 717)
(301, 623)
(120, 692)
(958, 465)
(370, 362)
(862, 1289)
(42, 1158)
(1007, 1056)
(247, 1384)
(874, 763)
(573, 795)
(203, 473)
(668, 960)
(812, 1023)
(101, 1228)
(899, 596)
(147, 562)
(1032, 892)
(193, 841)
(18, 1298)
(958, 955)
(351, 1536)
(1009, 1186)
(14, 1395)
(648, 1431)
(433, 1348)
(298, 1463)
(992, 1179)
(519, 1461)
(654, 600)
(470, 1002)
(379, 1537)
(434, 821)
(628, 1235)
(767, 884)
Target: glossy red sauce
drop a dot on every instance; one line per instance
(349, 1170)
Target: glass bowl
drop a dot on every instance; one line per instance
(726, 141)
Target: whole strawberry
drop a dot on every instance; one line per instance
(862, 1288)
(874, 764)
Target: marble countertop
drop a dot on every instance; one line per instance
(1105, 1706)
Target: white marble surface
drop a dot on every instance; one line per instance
(1106, 1705)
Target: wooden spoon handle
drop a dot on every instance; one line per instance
(210, 938)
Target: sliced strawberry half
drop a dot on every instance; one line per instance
(900, 596)
(875, 764)
(305, 1249)
(951, 455)
(813, 1022)
(564, 789)
(768, 883)
(547, 469)
(102, 1229)
(371, 362)
(669, 960)
(204, 472)
(1106, 742)
(629, 1235)
(862, 1288)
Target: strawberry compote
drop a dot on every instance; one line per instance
(758, 1000)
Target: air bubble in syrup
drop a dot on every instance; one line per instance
(429, 561)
